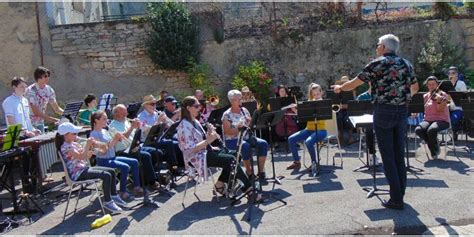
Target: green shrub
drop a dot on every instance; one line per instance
(199, 78)
(438, 54)
(254, 75)
(173, 41)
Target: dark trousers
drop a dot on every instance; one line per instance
(147, 156)
(226, 161)
(369, 135)
(428, 131)
(173, 155)
(390, 128)
(106, 174)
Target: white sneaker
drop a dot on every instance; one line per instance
(119, 201)
(112, 207)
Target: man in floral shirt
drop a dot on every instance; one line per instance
(39, 95)
(393, 82)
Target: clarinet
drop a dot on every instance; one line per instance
(219, 143)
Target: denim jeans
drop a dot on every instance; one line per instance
(310, 138)
(262, 147)
(40, 127)
(145, 156)
(390, 128)
(124, 164)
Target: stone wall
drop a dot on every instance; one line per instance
(110, 57)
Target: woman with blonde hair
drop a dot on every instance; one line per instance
(310, 135)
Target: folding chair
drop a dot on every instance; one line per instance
(72, 184)
(192, 174)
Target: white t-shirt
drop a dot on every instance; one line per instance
(19, 108)
(460, 86)
(40, 98)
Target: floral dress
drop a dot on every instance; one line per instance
(189, 135)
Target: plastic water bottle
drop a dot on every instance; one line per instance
(101, 221)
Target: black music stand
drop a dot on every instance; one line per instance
(340, 98)
(10, 146)
(268, 120)
(416, 105)
(279, 102)
(359, 108)
(250, 106)
(314, 111)
(132, 110)
(215, 118)
(259, 121)
(156, 131)
(446, 86)
(71, 110)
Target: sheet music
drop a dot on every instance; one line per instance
(360, 120)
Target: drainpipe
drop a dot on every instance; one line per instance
(39, 33)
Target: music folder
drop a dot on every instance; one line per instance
(12, 137)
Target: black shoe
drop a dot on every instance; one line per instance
(393, 205)
(262, 179)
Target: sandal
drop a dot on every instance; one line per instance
(220, 190)
(295, 165)
(138, 192)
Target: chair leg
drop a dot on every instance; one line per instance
(78, 196)
(426, 151)
(185, 189)
(98, 197)
(67, 204)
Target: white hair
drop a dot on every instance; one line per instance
(115, 109)
(391, 42)
(233, 94)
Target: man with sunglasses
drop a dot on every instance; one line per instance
(393, 82)
(39, 95)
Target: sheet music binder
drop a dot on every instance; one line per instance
(71, 110)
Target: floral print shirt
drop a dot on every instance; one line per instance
(189, 135)
(40, 98)
(391, 77)
(235, 118)
(75, 167)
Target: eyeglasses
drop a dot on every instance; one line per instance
(197, 106)
(46, 75)
(452, 73)
(152, 104)
(379, 45)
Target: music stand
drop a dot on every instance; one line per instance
(106, 103)
(359, 108)
(215, 118)
(340, 98)
(156, 131)
(468, 114)
(132, 110)
(71, 110)
(314, 111)
(250, 106)
(260, 121)
(416, 105)
(446, 86)
(268, 120)
(170, 131)
(12, 137)
(280, 102)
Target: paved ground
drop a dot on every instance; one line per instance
(438, 201)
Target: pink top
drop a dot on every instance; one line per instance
(431, 112)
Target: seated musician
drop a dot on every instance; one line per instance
(171, 109)
(150, 117)
(90, 101)
(76, 159)
(309, 134)
(110, 159)
(247, 95)
(39, 95)
(436, 115)
(195, 144)
(232, 120)
(148, 156)
(160, 104)
(287, 126)
(17, 109)
(456, 112)
(342, 117)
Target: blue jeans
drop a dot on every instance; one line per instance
(262, 147)
(124, 164)
(310, 138)
(390, 128)
(40, 127)
(456, 117)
